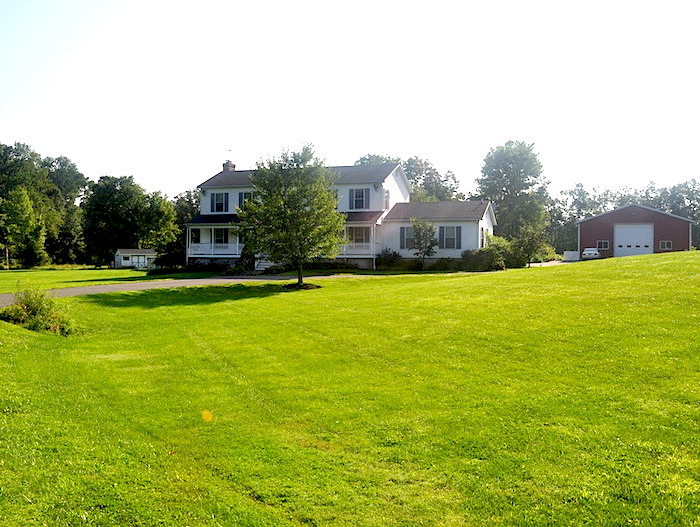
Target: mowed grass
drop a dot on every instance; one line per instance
(548, 396)
(58, 278)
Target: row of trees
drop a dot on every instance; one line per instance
(529, 218)
(50, 212)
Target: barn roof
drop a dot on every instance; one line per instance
(636, 205)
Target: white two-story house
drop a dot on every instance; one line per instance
(374, 199)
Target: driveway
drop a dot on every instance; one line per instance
(8, 298)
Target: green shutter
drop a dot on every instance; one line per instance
(441, 238)
(458, 236)
(402, 238)
(366, 200)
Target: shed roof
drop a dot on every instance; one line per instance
(438, 210)
(365, 216)
(214, 219)
(636, 205)
(375, 173)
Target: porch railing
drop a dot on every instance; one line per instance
(356, 249)
(215, 249)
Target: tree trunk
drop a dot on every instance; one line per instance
(300, 275)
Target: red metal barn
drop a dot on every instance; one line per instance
(635, 229)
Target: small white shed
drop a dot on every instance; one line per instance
(137, 258)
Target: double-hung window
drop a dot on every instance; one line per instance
(243, 197)
(219, 202)
(666, 245)
(359, 198)
(195, 236)
(407, 238)
(450, 237)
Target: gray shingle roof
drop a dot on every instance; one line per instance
(364, 216)
(347, 174)
(145, 252)
(438, 210)
(213, 219)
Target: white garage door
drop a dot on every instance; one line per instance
(633, 238)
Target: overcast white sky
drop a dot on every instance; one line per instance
(165, 91)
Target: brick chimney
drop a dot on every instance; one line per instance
(229, 167)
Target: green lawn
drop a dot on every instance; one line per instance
(567, 395)
(16, 280)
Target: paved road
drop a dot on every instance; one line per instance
(7, 299)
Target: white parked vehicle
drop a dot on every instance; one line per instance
(590, 253)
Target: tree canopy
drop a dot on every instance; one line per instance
(427, 184)
(293, 217)
(119, 213)
(511, 178)
(52, 187)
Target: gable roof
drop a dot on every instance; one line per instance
(439, 210)
(375, 173)
(636, 206)
(138, 252)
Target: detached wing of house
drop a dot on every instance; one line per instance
(460, 226)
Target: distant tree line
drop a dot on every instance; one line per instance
(51, 213)
(530, 221)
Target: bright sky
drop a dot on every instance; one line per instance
(167, 90)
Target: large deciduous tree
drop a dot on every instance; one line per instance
(53, 187)
(186, 206)
(113, 210)
(511, 178)
(119, 213)
(158, 228)
(293, 217)
(21, 230)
